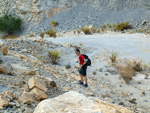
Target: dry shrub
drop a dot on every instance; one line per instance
(32, 35)
(104, 27)
(86, 30)
(139, 30)
(51, 33)
(42, 35)
(137, 66)
(122, 26)
(53, 23)
(12, 37)
(94, 30)
(78, 31)
(126, 72)
(148, 31)
(54, 55)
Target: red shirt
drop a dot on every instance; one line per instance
(81, 59)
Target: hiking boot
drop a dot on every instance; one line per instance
(85, 85)
(81, 83)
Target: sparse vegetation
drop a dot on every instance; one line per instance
(139, 30)
(32, 35)
(122, 26)
(113, 57)
(54, 55)
(42, 35)
(53, 23)
(86, 30)
(116, 27)
(12, 37)
(68, 66)
(10, 23)
(51, 33)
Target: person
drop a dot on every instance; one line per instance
(82, 68)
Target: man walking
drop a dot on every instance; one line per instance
(82, 68)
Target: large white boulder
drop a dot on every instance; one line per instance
(73, 102)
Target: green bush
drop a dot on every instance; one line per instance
(53, 23)
(86, 30)
(54, 55)
(10, 23)
(51, 33)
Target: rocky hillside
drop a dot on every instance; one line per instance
(27, 76)
(72, 14)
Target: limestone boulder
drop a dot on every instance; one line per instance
(6, 68)
(35, 83)
(40, 95)
(74, 102)
(26, 97)
(4, 102)
(3, 47)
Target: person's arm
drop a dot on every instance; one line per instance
(85, 60)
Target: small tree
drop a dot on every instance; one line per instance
(9, 24)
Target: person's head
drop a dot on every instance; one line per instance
(77, 51)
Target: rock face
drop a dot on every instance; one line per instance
(36, 11)
(73, 102)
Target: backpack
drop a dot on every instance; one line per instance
(89, 60)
